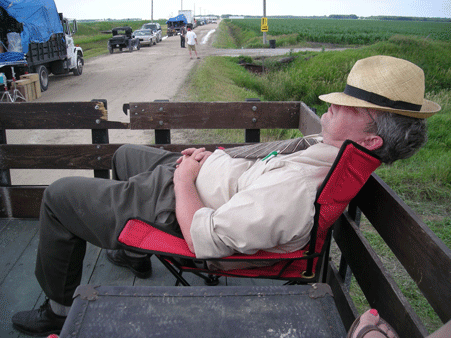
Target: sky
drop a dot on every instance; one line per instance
(163, 9)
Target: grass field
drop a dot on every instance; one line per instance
(345, 32)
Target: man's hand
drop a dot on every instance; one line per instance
(188, 165)
(201, 154)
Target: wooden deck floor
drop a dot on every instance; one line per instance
(19, 289)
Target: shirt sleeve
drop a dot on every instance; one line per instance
(275, 209)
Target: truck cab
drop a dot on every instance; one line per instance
(74, 52)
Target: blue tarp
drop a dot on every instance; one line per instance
(40, 19)
(180, 17)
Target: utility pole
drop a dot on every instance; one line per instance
(264, 15)
(181, 5)
(151, 11)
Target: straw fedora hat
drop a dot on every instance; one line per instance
(385, 83)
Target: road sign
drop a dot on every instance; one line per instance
(264, 24)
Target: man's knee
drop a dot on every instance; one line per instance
(56, 190)
(121, 153)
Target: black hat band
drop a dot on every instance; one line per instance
(379, 99)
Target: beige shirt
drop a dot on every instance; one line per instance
(252, 205)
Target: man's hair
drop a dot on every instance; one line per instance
(403, 136)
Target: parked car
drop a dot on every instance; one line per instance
(147, 37)
(156, 27)
(122, 38)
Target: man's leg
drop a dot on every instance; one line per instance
(128, 161)
(76, 209)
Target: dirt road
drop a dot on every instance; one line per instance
(151, 73)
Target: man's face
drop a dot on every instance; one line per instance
(342, 122)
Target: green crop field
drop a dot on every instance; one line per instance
(351, 32)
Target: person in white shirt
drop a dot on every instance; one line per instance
(191, 40)
(220, 204)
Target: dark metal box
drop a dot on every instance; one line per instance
(228, 311)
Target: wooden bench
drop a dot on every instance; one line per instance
(422, 254)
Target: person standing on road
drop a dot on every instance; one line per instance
(191, 39)
(182, 36)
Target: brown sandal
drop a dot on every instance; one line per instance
(366, 329)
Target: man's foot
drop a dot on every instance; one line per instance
(39, 322)
(370, 325)
(140, 266)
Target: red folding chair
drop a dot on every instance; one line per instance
(351, 169)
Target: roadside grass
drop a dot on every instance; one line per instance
(423, 181)
(93, 36)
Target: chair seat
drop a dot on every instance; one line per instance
(140, 235)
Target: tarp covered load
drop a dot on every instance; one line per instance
(40, 19)
(178, 18)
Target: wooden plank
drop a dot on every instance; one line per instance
(92, 256)
(14, 238)
(160, 275)
(20, 291)
(4, 223)
(56, 115)
(210, 147)
(343, 300)
(57, 156)
(376, 283)
(425, 257)
(309, 122)
(20, 201)
(234, 281)
(214, 115)
(105, 273)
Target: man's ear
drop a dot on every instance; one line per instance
(372, 142)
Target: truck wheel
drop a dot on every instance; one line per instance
(79, 69)
(110, 49)
(43, 77)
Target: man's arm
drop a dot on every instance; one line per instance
(187, 200)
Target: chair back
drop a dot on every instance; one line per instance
(351, 169)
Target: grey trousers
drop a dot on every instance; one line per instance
(76, 210)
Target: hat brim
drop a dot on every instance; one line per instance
(428, 108)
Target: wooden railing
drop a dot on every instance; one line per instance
(423, 255)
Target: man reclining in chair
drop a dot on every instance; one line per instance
(222, 204)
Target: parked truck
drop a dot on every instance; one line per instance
(38, 40)
(175, 23)
(189, 17)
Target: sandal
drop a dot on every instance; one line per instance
(368, 328)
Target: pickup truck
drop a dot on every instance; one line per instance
(425, 258)
(122, 38)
